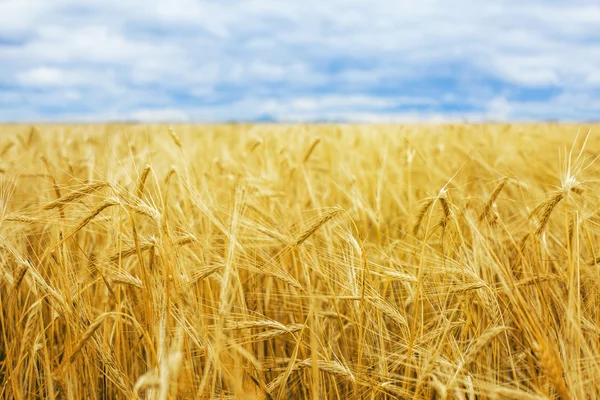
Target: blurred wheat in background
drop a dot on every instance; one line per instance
(286, 262)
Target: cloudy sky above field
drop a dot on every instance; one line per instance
(309, 60)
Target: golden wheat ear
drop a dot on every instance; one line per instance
(421, 214)
(492, 200)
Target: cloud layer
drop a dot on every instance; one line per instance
(184, 60)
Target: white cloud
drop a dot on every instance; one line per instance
(499, 109)
(187, 60)
(160, 115)
(41, 76)
(48, 78)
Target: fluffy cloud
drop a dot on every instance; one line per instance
(352, 60)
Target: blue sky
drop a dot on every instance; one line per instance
(309, 60)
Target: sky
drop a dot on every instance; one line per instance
(299, 61)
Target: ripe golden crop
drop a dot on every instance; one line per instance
(280, 262)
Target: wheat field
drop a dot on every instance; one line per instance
(302, 261)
